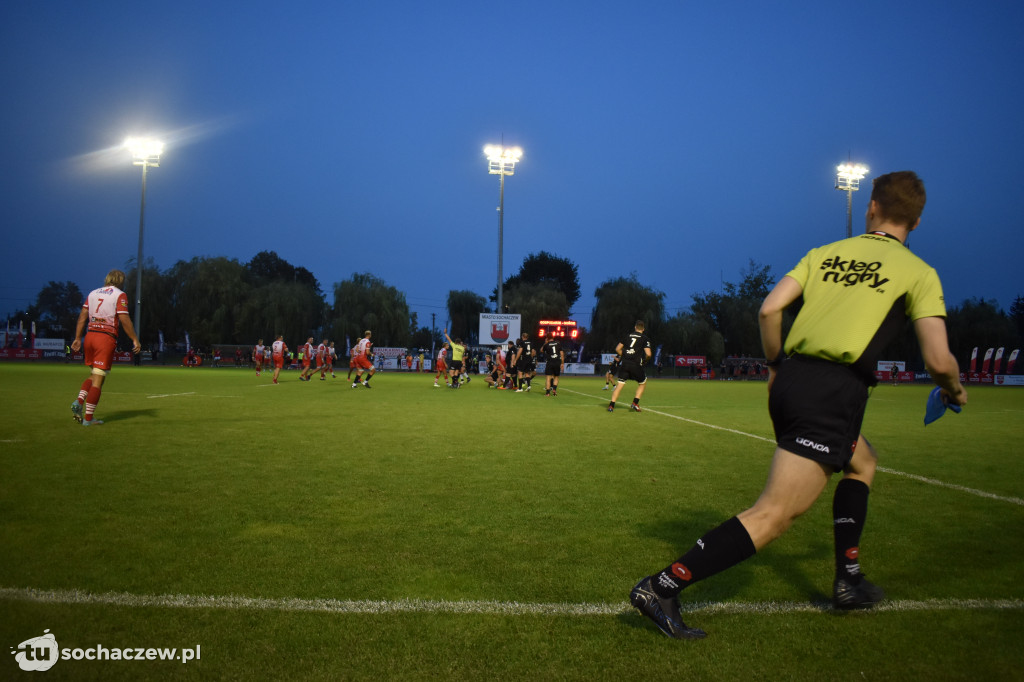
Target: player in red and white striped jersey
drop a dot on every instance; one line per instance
(104, 310)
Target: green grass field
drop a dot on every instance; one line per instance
(419, 533)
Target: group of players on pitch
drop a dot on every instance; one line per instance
(319, 358)
(510, 368)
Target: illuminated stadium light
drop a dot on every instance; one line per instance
(501, 161)
(145, 152)
(848, 177)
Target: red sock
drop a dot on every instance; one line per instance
(84, 391)
(91, 401)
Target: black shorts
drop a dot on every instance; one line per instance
(456, 365)
(553, 368)
(525, 365)
(634, 372)
(817, 408)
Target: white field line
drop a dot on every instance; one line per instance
(931, 481)
(512, 608)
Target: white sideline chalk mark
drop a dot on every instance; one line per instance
(498, 608)
(952, 486)
(170, 395)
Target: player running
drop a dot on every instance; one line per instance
(277, 352)
(362, 361)
(306, 352)
(613, 370)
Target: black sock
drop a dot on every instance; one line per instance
(720, 548)
(636, 401)
(849, 511)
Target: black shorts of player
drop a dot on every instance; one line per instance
(525, 365)
(817, 408)
(628, 371)
(553, 368)
(456, 365)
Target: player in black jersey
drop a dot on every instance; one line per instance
(554, 358)
(613, 369)
(525, 362)
(856, 294)
(634, 351)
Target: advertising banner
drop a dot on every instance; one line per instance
(497, 329)
(685, 360)
(49, 344)
(579, 368)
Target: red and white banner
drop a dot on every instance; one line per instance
(998, 361)
(987, 361)
(974, 359)
(687, 360)
(1012, 360)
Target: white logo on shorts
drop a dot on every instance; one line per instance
(814, 446)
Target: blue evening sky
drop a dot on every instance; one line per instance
(677, 140)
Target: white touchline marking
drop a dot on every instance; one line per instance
(952, 486)
(170, 395)
(506, 608)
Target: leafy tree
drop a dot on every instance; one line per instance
(620, 303)
(546, 268)
(689, 334)
(1017, 315)
(285, 308)
(979, 323)
(424, 337)
(536, 302)
(56, 309)
(733, 312)
(209, 294)
(155, 294)
(367, 302)
(464, 308)
(267, 266)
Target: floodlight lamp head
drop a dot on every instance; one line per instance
(502, 160)
(849, 175)
(144, 150)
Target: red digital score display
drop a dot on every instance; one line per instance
(558, 329)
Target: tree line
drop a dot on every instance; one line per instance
(219, 300)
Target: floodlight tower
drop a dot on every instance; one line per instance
(501, 161)
(145, 152)
(848, 177)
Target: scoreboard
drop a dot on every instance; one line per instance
(558, 329)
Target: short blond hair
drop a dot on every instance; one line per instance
(115, 278)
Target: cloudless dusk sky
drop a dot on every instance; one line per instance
(676, 140)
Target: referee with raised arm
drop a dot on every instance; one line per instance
(857, 293)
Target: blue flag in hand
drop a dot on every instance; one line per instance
(936, 406)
